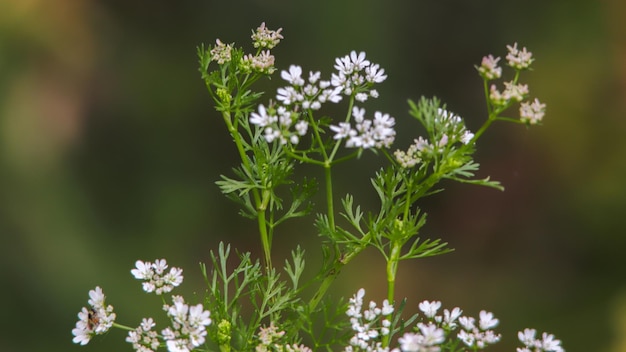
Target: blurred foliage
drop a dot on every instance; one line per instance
(109, 149)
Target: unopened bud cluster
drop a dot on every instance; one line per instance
(518, 59)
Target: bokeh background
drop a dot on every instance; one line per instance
(109, 149)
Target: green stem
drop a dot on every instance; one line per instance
(329, 196)
(123, 327)
(260, 203)
(392, 270)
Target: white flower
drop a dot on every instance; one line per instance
(343, 130)
(516, 92)
(261, 118)
(467, 137)
(361, 97)
(331, 94)
(375, 74)
(188, 325)
(487, 320)
(143, 338)
(450, 317)
(288, 95)
(302, 127)
(314, 77)
(432, 335)
(96, 298)
(411, 342)
(527, 337)
(550, 344)
(495, 97)
(96, 320)
(387, 308)
(519, 59)
(266, 38)
(430, 308)
(532, 113)
(468, 323)
(177, 345)
(489, 68)
(156, 279)
(263, 62)
(293, 76)
(221, 53)
(143, 270)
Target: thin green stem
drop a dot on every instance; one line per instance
(392, 269)
(123, 327)
(260, 203)
(329, 196)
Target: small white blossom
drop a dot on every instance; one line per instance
(366, 133)
(519, 59)
(489, 68)
(467, 137)
(516, 92)
(221, 53)
(495, 97)
(547, 342)
(96, 320)
(266, 38)
(487, 320)
(262, 118)
(368, 325)
(155, 278)
(430, 308)
(478, 336)
(189, 323)
(143, 338)
(293, 76)
(532, 113)
(263, 62)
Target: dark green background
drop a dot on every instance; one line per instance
(109, 149)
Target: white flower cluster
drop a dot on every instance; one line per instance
(366, 133)
(221, 53)
(369, 325)
(93, 321)
(512, 92)
(479, 336)
(449, 129)
(156, 279)
(269, 338)
(530, 113)
(434, 331)
(262, 61)
(266, 38)
(143, 338)
(189, 324)
(431, 333)
(489, 68)
(426, 340)
(355, 76)
(547, 343)
(519, 59)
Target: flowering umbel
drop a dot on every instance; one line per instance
(95, 320)
(155, 278)
(531, 113)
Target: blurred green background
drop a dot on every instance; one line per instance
(109, 149)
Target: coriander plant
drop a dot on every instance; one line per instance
(255, 304)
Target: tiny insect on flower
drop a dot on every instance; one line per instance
(92, 319)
